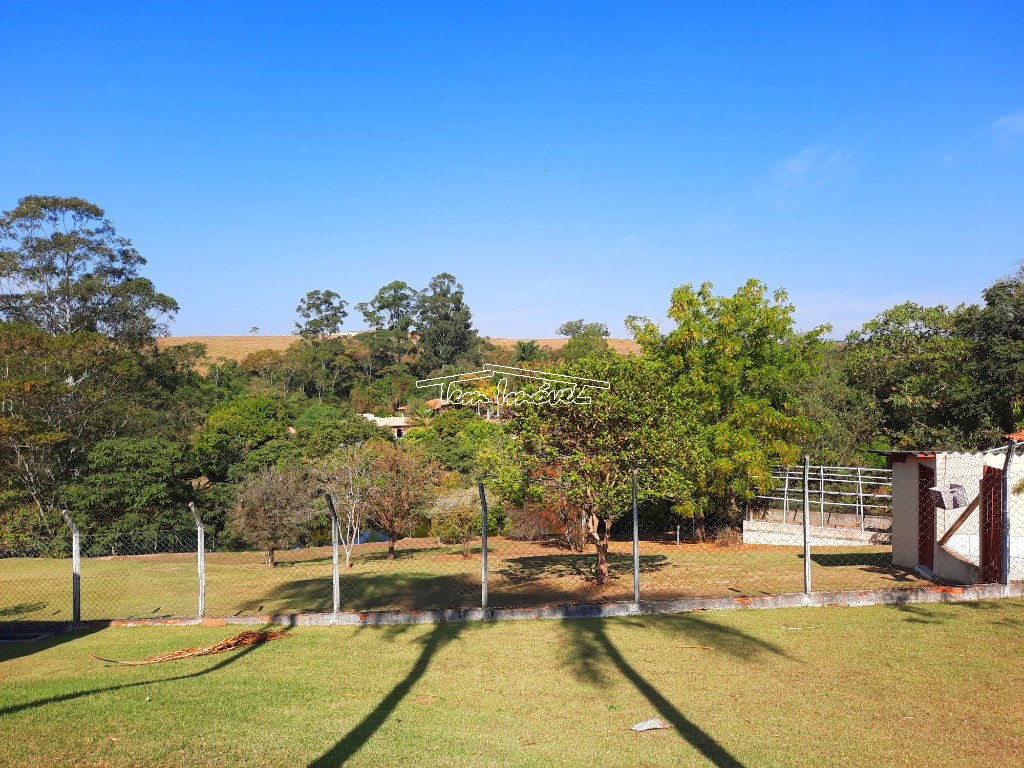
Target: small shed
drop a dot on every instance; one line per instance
(949, 519)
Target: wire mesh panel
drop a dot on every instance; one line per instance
(294, 580)
(421, 574)
(35, 580)
(721, 564)
(139, 574)
(550, 570)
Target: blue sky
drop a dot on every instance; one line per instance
(562, 160)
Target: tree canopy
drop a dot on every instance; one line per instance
(64, 269)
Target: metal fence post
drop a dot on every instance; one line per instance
(821, 489)
(335, 574)
(1005, 514)
(200, 558)
(483, 545)
(76, 568)
(860, 497)
(636, 548)
(807, 530)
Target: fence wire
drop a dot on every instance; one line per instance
(935, 518)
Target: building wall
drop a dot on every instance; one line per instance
(904, 513)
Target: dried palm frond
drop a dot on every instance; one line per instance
(241, 640)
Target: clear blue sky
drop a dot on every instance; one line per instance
(561, 159)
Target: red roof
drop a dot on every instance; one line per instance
(1019, 436)
(436, 403)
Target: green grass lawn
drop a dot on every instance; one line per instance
(919, 685)
(424, 576)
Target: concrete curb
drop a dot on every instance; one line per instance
(850, 598)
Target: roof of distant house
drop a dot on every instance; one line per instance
(387, 421)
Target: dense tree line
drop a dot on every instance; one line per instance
(95, 418)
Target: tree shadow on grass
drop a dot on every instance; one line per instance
(843, 559)
(61, 698)
(439, 636)
(46, 636)
(518, 570)
(925, 613)
(369, 592)
(591, 651)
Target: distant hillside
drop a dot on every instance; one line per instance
(237, 347)
(622, 346)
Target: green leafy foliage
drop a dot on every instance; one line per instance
(135, 483)
(444, 325)
(456, 439)
(233, 429)
(732, 362)
(911, 361)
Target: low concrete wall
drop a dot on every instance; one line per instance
(832, 519)
(933, 594)
(759, 532)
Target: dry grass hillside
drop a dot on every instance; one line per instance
(237, 347)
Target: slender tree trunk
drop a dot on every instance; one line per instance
(270, 557)
(391, 548)
(699, 533)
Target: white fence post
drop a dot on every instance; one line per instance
(200, 558)
(76, 568)
(335, 573)
(636, 548)
(483, 545)
(807, 530)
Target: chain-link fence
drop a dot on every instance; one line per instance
(934, 518)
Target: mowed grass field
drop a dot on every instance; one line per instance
(424, 575)
(909, 686)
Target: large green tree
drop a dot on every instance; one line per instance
(995, 333)
(444, 324)
(585, 340)
(322, 312)
(732, 361)
(392, 308)
(59, 396)
(572, 461)
(913, 363)
(64, 269)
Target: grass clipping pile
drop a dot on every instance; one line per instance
(241, 640)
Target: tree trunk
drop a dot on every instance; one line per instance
(602, 541)
(391, 548)
(699, 534)
(270, 557)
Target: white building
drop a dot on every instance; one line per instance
(949, 521)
